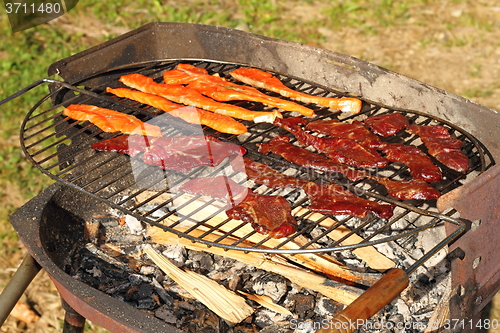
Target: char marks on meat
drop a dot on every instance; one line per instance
(179, 153)
(281, 146)
(440, 144)
(268, 214)
(344, 151)
(415, 189)
(355, 131)
(420, 165)
(335, 200)
(387, 124)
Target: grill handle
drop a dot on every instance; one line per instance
(36, 84)
(369, 303)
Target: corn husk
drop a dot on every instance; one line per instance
(225, 303)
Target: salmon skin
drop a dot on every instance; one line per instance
(218, 122)
(265, 80)
(183, 95)
(110, 120)
(223, 90)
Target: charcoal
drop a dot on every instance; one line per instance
(166, 314)
(263, 319)
(304, 305)
(199, 261)
(277, 328)
(164, 295)
(326, 307)
(147, 303)
(105, 220)
(272, 285)
(176, 253)
(137, 279)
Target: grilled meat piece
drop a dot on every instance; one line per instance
(183, 95)
(344, 151)
(223, 90)
(440, 144)
(281, 146)
(130, 145)
(268, 214)
(205, 151)
(355, 131)
(420, 165)
(335, 200)
(110, 120)
(387, 124)
(219, 187)
(265, 80)
(416, 189)
(179, 153)
(218, 122)
(264, 175)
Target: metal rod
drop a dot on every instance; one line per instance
(26, 272)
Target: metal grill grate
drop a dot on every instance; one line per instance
(60, 147)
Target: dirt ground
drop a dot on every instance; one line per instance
(452, 45)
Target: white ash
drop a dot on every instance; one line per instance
(272, 285)
(325, 307)
(176, 253)
(134, 225)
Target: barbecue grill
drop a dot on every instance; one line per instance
(90, 182)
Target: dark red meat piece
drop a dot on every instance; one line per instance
(416, 189)
(387, 124)
(131, 145)
(335, 200)
(180, 153)
(344, 151)
(349, 152)
(420, 165)
(219, 187)
(268, 214)
(264, 175)
(281, 146)
(355, 131)
(440, 144)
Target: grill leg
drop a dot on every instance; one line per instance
(73, 321)
(17, 285)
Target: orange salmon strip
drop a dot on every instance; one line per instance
(265, 80)
(183, 95)
(223, 90)
(218, 122)
(111, 121)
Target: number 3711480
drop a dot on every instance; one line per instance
(26, 8)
